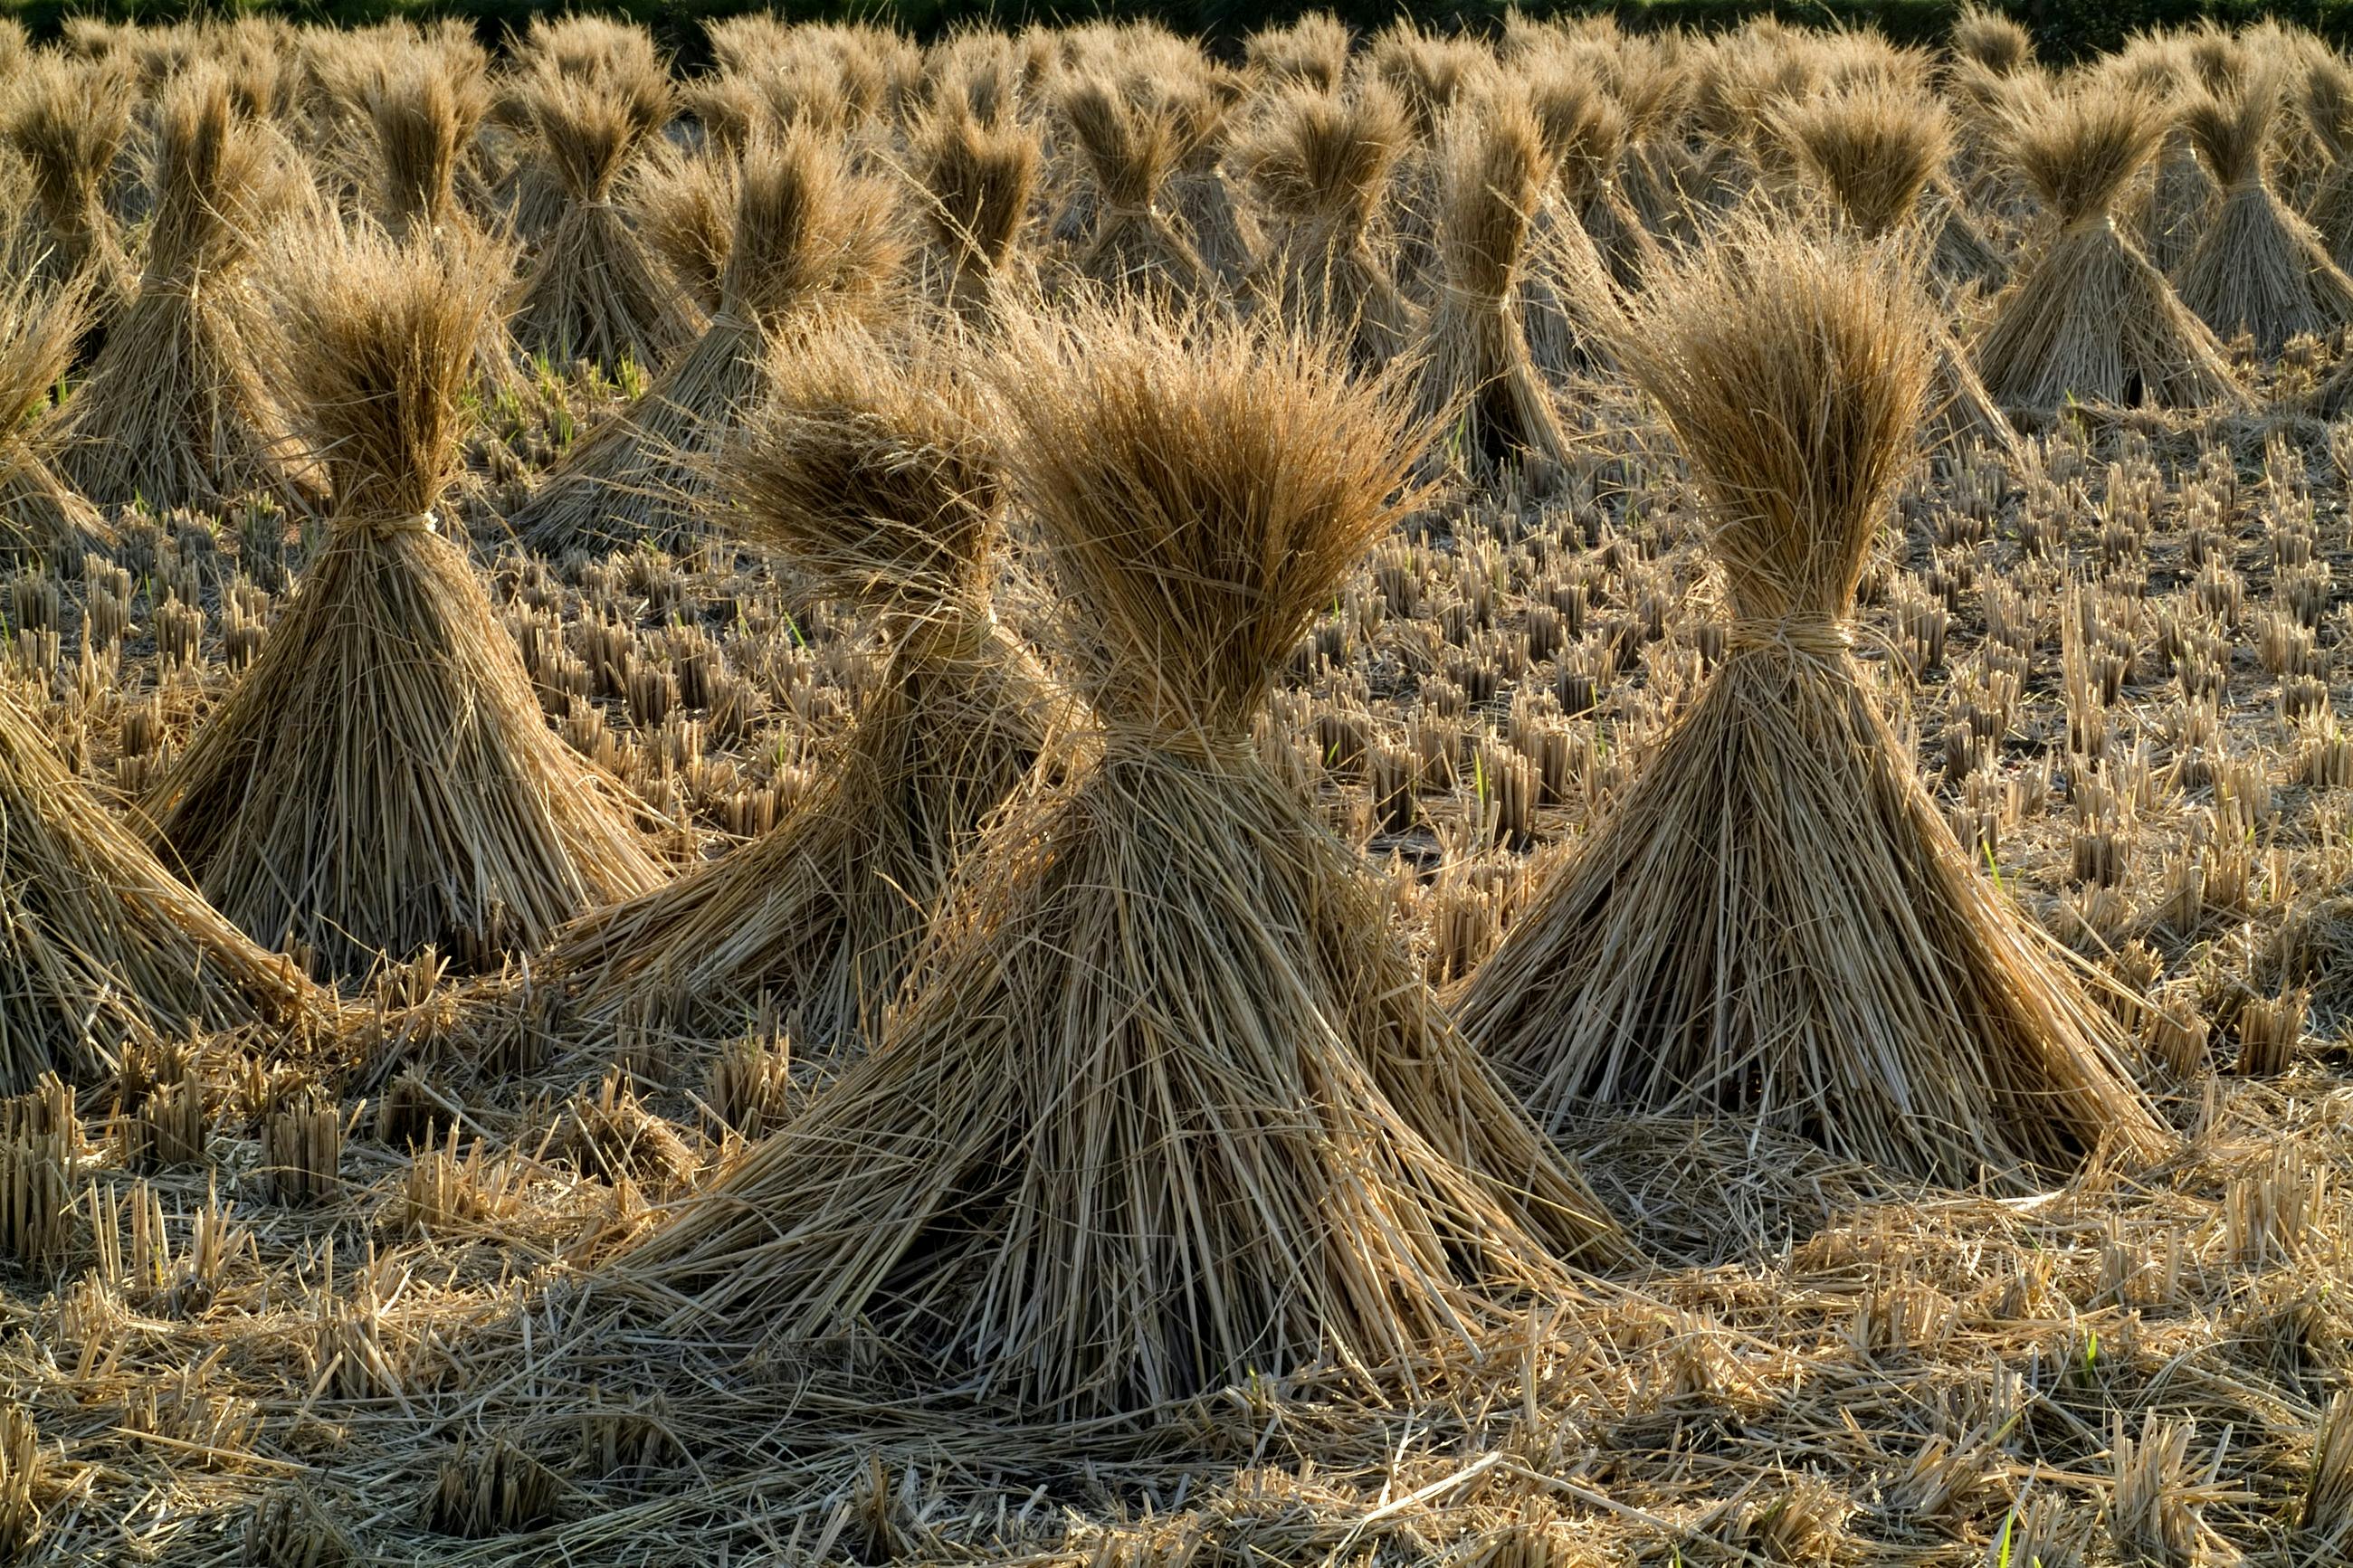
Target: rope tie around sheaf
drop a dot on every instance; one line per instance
(1813, 636)
(391, 527)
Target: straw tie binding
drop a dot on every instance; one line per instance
(1812, 636)
(415, 523)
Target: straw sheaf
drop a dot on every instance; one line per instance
(979, 177)
(871, 472)
(2078, 144)
(1132, 136)
(68, 119)
(586, 125)
(217, 180)
(1432, 74)
(1998, 42)
(373, 347)
(1496, 167)
(2327, 103)
(39, 325)
(424, 115)
(808, 230)
(2230, 128)
(1311, 52)
(1873, 147)
(1585, 130)
(685, 207)
(1312, 154)
(1228, 476)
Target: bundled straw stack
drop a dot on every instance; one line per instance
(100, 945)
(1585, 132)
(68, 121)
(424, 109)
(2089, 317)
(1777, 921)
(976, 176)
(1478, 376)
(174, 412)
(1311, 52)
(1164, 1104)
(593, 292)
(2255, 266)
(1320, 163)
(41, 517)
(2328, 106)
(1871, 149)
(867, 472)
(811, 240)
(1133, 134)
(381, 780)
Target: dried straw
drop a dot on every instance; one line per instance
(1477, 376)
(811, 240)
(865, 469)
(100, 945)
(381, 780)
(2328, 111)
(424, 109)
(1164, 1105)
(174, 412)
(2256, 266)
(977, 178)
(41, 517)
(1310, 52)
(593, 292)
(1775, 921)
(1134, 134)
(67, 121)
(1585, 130)
(1993, 39)
(1320, 163)
(2089, 317)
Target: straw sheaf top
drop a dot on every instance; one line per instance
(587, 125)
(2328, 101)
(1997, 42)
(1311, 154)
(2078, 145)
(423, 115)
(1311, 52)
(870, 472)
(1794, 374)
(67, 121)
(39, 327)
(1203, 487)
(977, 177)
(807, 228)
(1132, 133)
(374, 339)
(2231, 127)
(1874, 146)
(1496, 169)
(215, 181)
(1584, 128)
(1432, 74)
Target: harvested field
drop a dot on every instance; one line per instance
(1564, 799)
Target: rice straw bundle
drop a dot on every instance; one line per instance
(1430, 75)
(1133, 134)
(1311, 51)
(2256, 268)
(865, 469)
(380, 779)
(1204, 202)
(2000, 43)
(1477, 375)
(173, 411)
(593, 292)
(100, 945)
(2176, 193)
(1871, 149)
(811, 239)
(1585, 130)
(2327, 105)
(977, 178)
(424, 107)
(685, 207)
(1775, 921)
(2089, 317)
(40, 516)
(1164, 1104)
(68, 120)
(1320, 163)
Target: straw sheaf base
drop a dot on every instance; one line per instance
(1480, 379)
(2093, 319)
(1567, 297)
(641, 476)
(816, 920)
(596, 294)
(381, 779)
(100, 945)
(173, 414)
(1812, 949)
(1625, 245)
(1126, 1140)
(1960, 411)
(40, 517)
(2258, 269)
(1142, 250)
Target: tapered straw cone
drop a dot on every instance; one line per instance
(1164, 1103)
(1776, 921)
(381, 778)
